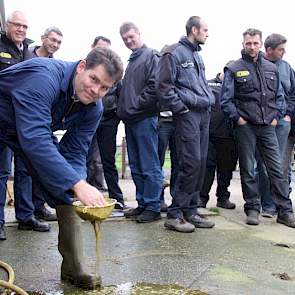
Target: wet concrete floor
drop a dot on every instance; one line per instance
(230, 259)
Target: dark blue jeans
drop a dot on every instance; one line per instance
(106, 139)
(5, 170)
(142, 147)
(264, 138)
(166, 131)
(22, 186)
(192, 135)
(267, 204)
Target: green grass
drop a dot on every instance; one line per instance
(167, 163)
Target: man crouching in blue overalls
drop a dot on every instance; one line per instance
(38, 97)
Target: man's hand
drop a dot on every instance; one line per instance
(287, 118)
(242, 121)
(274, 122)
(88, 194)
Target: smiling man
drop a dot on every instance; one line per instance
(51, 41)
(42, 95)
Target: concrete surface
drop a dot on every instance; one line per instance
(230, 259)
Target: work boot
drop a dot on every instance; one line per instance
(33, 224)
(179, 224)
(44, 214)
(252, 217)
(148, 216)
(200, 222)
(202, 202)
(225, 203)
(71, 249)
(2, 232)
(286, 219)
(133, 213)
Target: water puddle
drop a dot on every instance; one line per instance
(132, 289)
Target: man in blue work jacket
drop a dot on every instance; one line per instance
(43, 95)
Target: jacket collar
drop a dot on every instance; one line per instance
(194, 47)
(250, 59)
(6, 40)
(137, 52)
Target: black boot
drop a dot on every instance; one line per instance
(202, 202)
(225, 203)
(252, 217)
(2, 232)
(70, 247)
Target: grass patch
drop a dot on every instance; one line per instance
(214, 210)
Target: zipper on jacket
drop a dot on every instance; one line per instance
(68, 111)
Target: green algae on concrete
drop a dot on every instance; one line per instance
(136, 289)
(230, 275)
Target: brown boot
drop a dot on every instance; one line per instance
(70, 247)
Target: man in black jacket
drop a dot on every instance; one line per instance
(13, 48)
(138, 108)
(183, 89)
(222, 152)
(252, 98)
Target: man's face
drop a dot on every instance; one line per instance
(132, 39)
(101, 44)
(51, 42)
(252, 45)
(201, 35)
(91, 84)
(16, 28)
(277, 53)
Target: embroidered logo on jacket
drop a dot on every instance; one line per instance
(187, 64)
(5, 55)
(242, 73)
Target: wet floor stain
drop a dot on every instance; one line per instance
(132, 289)
(230, 275)
(283, 276)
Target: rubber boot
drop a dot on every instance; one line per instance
(70, 247)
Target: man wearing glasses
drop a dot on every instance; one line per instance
(13, 48)
(51, 41)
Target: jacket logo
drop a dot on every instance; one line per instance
(242, 73)
(5, 55)
(187, 64)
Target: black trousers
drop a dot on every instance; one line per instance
(106, 139)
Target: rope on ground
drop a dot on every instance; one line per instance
(9, 284)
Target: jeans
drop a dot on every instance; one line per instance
(24, 208)
(142, 147)
(222, 157)
(192, 135)
(5, 170)
(106, 139)
(282, 130)
(166, 131)
(287, 158)
(264, 138)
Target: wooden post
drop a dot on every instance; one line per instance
(124, 150)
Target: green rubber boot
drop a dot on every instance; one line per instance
(71, 249)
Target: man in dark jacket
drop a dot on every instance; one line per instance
(105, 141)
(252, 98)
(51, 41)
(275, 48)
(38, 97)
(138, 107)
(183, 89)
(222, 152)
(13, 48)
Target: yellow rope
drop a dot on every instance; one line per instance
(9, 284)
